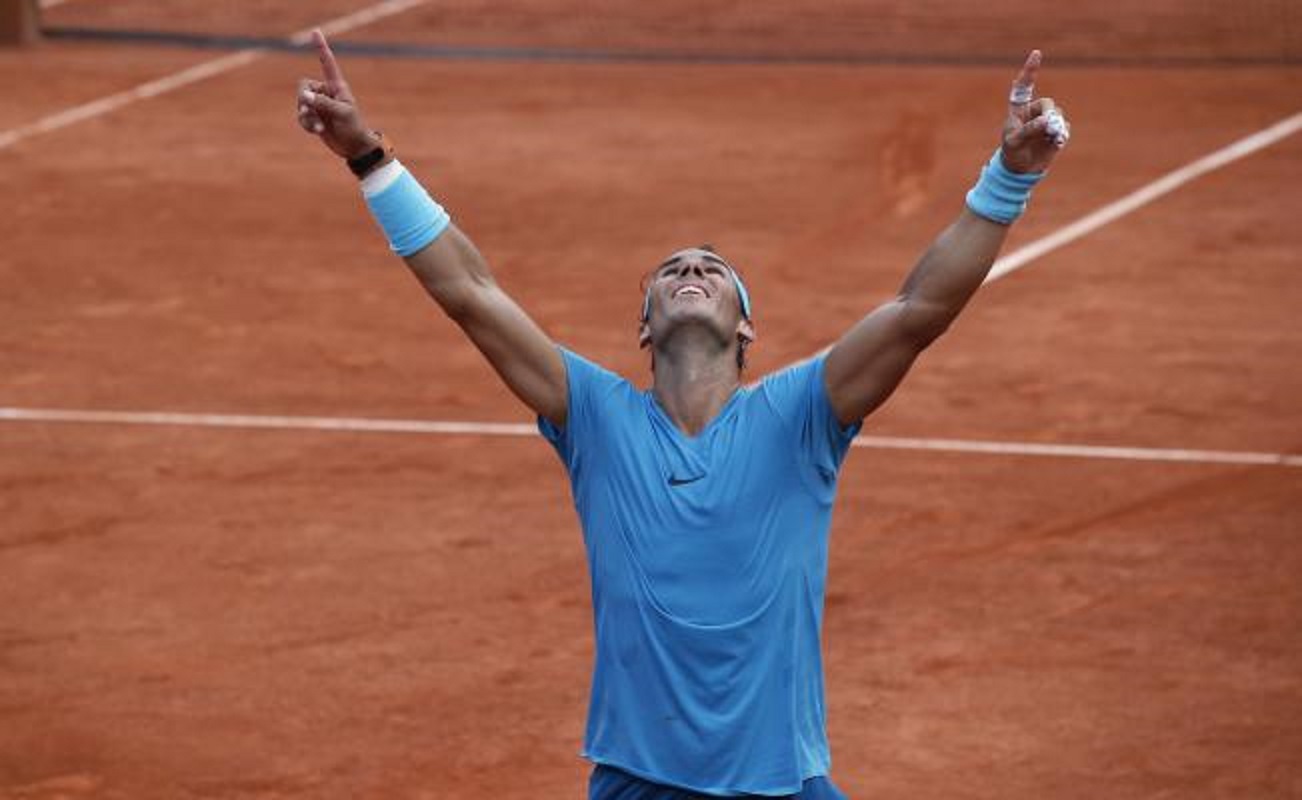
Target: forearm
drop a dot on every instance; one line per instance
(452, 272)
(419, 229)
(954, 267)
(950, 272)
(441, 257)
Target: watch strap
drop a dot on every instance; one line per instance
(372, 158)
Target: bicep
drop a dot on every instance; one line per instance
(521, 353)
(867, 364)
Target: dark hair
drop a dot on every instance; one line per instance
(645, 283)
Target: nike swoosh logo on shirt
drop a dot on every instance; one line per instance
(673, 481)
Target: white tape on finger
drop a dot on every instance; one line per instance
(1056, 127)
(1021, 95)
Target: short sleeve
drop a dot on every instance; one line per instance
(798, 394)
(586, 382)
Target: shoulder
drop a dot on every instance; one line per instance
(598, 401)
(795, 383)
(585, 373)
(798, 394)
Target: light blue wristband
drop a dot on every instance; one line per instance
(1000, 194)
(409, 217)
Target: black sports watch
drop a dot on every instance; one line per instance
(368, 160)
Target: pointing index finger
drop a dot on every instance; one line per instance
(329, 67)
(1024, 85)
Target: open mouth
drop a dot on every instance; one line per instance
(689, 291)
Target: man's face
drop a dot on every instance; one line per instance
(694, 287)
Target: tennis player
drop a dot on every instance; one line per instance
(705, 504)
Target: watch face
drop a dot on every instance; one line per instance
(362, 163)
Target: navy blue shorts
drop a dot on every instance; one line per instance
(608, 783)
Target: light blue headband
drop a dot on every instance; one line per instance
(742, 295)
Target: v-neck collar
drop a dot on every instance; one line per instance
(658, 410)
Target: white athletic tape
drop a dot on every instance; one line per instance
(378, 180)
(1021, 95)
(198, 72)
(353, 424)
(1056, 127)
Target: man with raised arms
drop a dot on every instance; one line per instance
(705, 504)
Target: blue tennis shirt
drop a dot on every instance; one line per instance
(708, 556)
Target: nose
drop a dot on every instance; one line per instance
(691, 268)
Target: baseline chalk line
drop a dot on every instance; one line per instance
(266, 421)
(354, 424)
(196, 73)
(1081, 451)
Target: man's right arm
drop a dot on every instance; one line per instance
(449, 267)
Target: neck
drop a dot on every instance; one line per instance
(692, 384)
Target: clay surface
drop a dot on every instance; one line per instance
(225, 613)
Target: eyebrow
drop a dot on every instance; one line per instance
(705, 256)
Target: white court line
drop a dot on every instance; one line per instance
(1081, 451)
(1144, 195)
(198, 72)
(51, 3)
(266, 421)
(354, 424)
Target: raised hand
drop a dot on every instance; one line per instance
(1036, 129)
(328, 109)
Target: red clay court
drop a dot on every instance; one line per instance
(248, 548)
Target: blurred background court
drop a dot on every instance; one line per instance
(246, 551)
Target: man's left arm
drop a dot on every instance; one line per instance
(869, 361)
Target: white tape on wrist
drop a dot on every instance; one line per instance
(378, 180)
